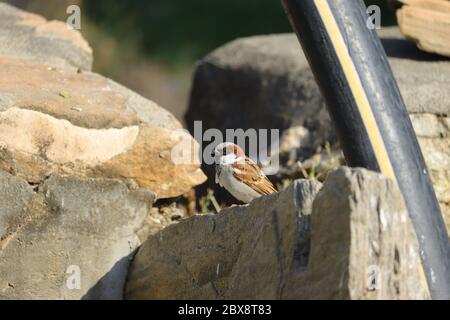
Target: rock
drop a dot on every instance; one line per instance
(428, 125)
(423, 84)
(363, 242)
(275, 248)
(168, 267)
(82, 160)
(298, 141)
(426, 22)
(61, 121)
(65, 227)
(433, 132)
(445, 209)
(316, 167)
(279, 83)
(280, 86)
(30, 37)
(159, 218)
(257, 82)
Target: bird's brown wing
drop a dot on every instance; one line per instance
(250, 174)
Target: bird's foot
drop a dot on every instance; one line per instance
(239, 205)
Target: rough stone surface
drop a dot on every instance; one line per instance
(66, 223)
(30, 37)
(433, 132)
(169, 267)
(159, 218)
(62, 121)
(262, 251)
(256, 82)
(426, 22)
(362, 239)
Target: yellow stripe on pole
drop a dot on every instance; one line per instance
(356, 87)
(361, 99)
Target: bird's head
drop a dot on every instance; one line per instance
(227, 152)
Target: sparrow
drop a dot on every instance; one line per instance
(239, 175)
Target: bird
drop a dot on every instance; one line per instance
(239, 175)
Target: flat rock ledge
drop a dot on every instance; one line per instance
(350, 239)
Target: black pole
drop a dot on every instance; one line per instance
(364, 102)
